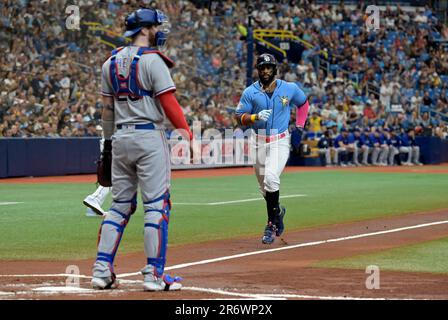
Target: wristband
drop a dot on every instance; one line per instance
(253, 118)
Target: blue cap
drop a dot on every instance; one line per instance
(143, 18)
(343, 130)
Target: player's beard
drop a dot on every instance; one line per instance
(266, 81)
(151, 39)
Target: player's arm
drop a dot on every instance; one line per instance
(247, 119)
(107, 93)
(104, 165)
(300, 100)
(243, 113)
(107, 117)
(164, 89)
(174, 112)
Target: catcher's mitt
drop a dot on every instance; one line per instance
(104, 165)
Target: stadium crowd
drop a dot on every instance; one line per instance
(394, 78)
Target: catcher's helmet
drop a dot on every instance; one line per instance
(145, 18)
(266, 59)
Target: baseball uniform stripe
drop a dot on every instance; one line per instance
(124, 216)
(165, 90)
(156, 199)
(152, 225)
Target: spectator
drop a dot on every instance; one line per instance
(427, 100)
(369, 113)
(315, 123)
(49, 75)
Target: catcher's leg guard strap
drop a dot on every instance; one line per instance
(157, 213)
(111, 232)
(101, 256)
(126, 207)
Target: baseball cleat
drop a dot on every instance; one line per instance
(280, 224)
(269, 234)
(165, 283)
(104, 283)
(92, 203)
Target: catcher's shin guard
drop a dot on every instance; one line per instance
(111, 232)
(157, 213)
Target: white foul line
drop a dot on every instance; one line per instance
(257, 296)
(277, 296)
(8, 203)
(233, 201)
(241, 255)
(306, 244)
(233, 294)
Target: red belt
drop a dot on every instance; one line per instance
(268, 139)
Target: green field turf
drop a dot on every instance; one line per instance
(431, 256)
(51, 223)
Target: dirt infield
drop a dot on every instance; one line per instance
(283, 272)
(222, 172)
(244, 268)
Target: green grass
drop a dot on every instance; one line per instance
(429, 256)
(50, 224)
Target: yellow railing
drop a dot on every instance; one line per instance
(261, 34)
(96, 26)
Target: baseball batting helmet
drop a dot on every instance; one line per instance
(146, 18)
(266, 59)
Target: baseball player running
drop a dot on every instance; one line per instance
(266, 107)
(137, 91)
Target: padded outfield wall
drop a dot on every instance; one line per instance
(62, 156)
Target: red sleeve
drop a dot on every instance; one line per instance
(174, 112)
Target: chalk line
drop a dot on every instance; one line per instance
(300, 245)
(9, 203)
(233, 201)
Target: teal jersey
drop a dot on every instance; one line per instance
(286, 96)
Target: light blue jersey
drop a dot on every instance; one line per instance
(286, 96)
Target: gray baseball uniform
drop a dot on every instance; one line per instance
(140, 158)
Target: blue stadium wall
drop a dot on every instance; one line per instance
(432, 151)
(64, 156)
(47, 156)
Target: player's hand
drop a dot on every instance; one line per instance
(264, 115)
(296, 140)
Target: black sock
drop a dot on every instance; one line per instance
(272, 205)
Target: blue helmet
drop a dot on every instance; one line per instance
(145, 18)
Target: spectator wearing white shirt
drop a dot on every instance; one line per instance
(385, 94)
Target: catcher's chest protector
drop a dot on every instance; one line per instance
(130, 85)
